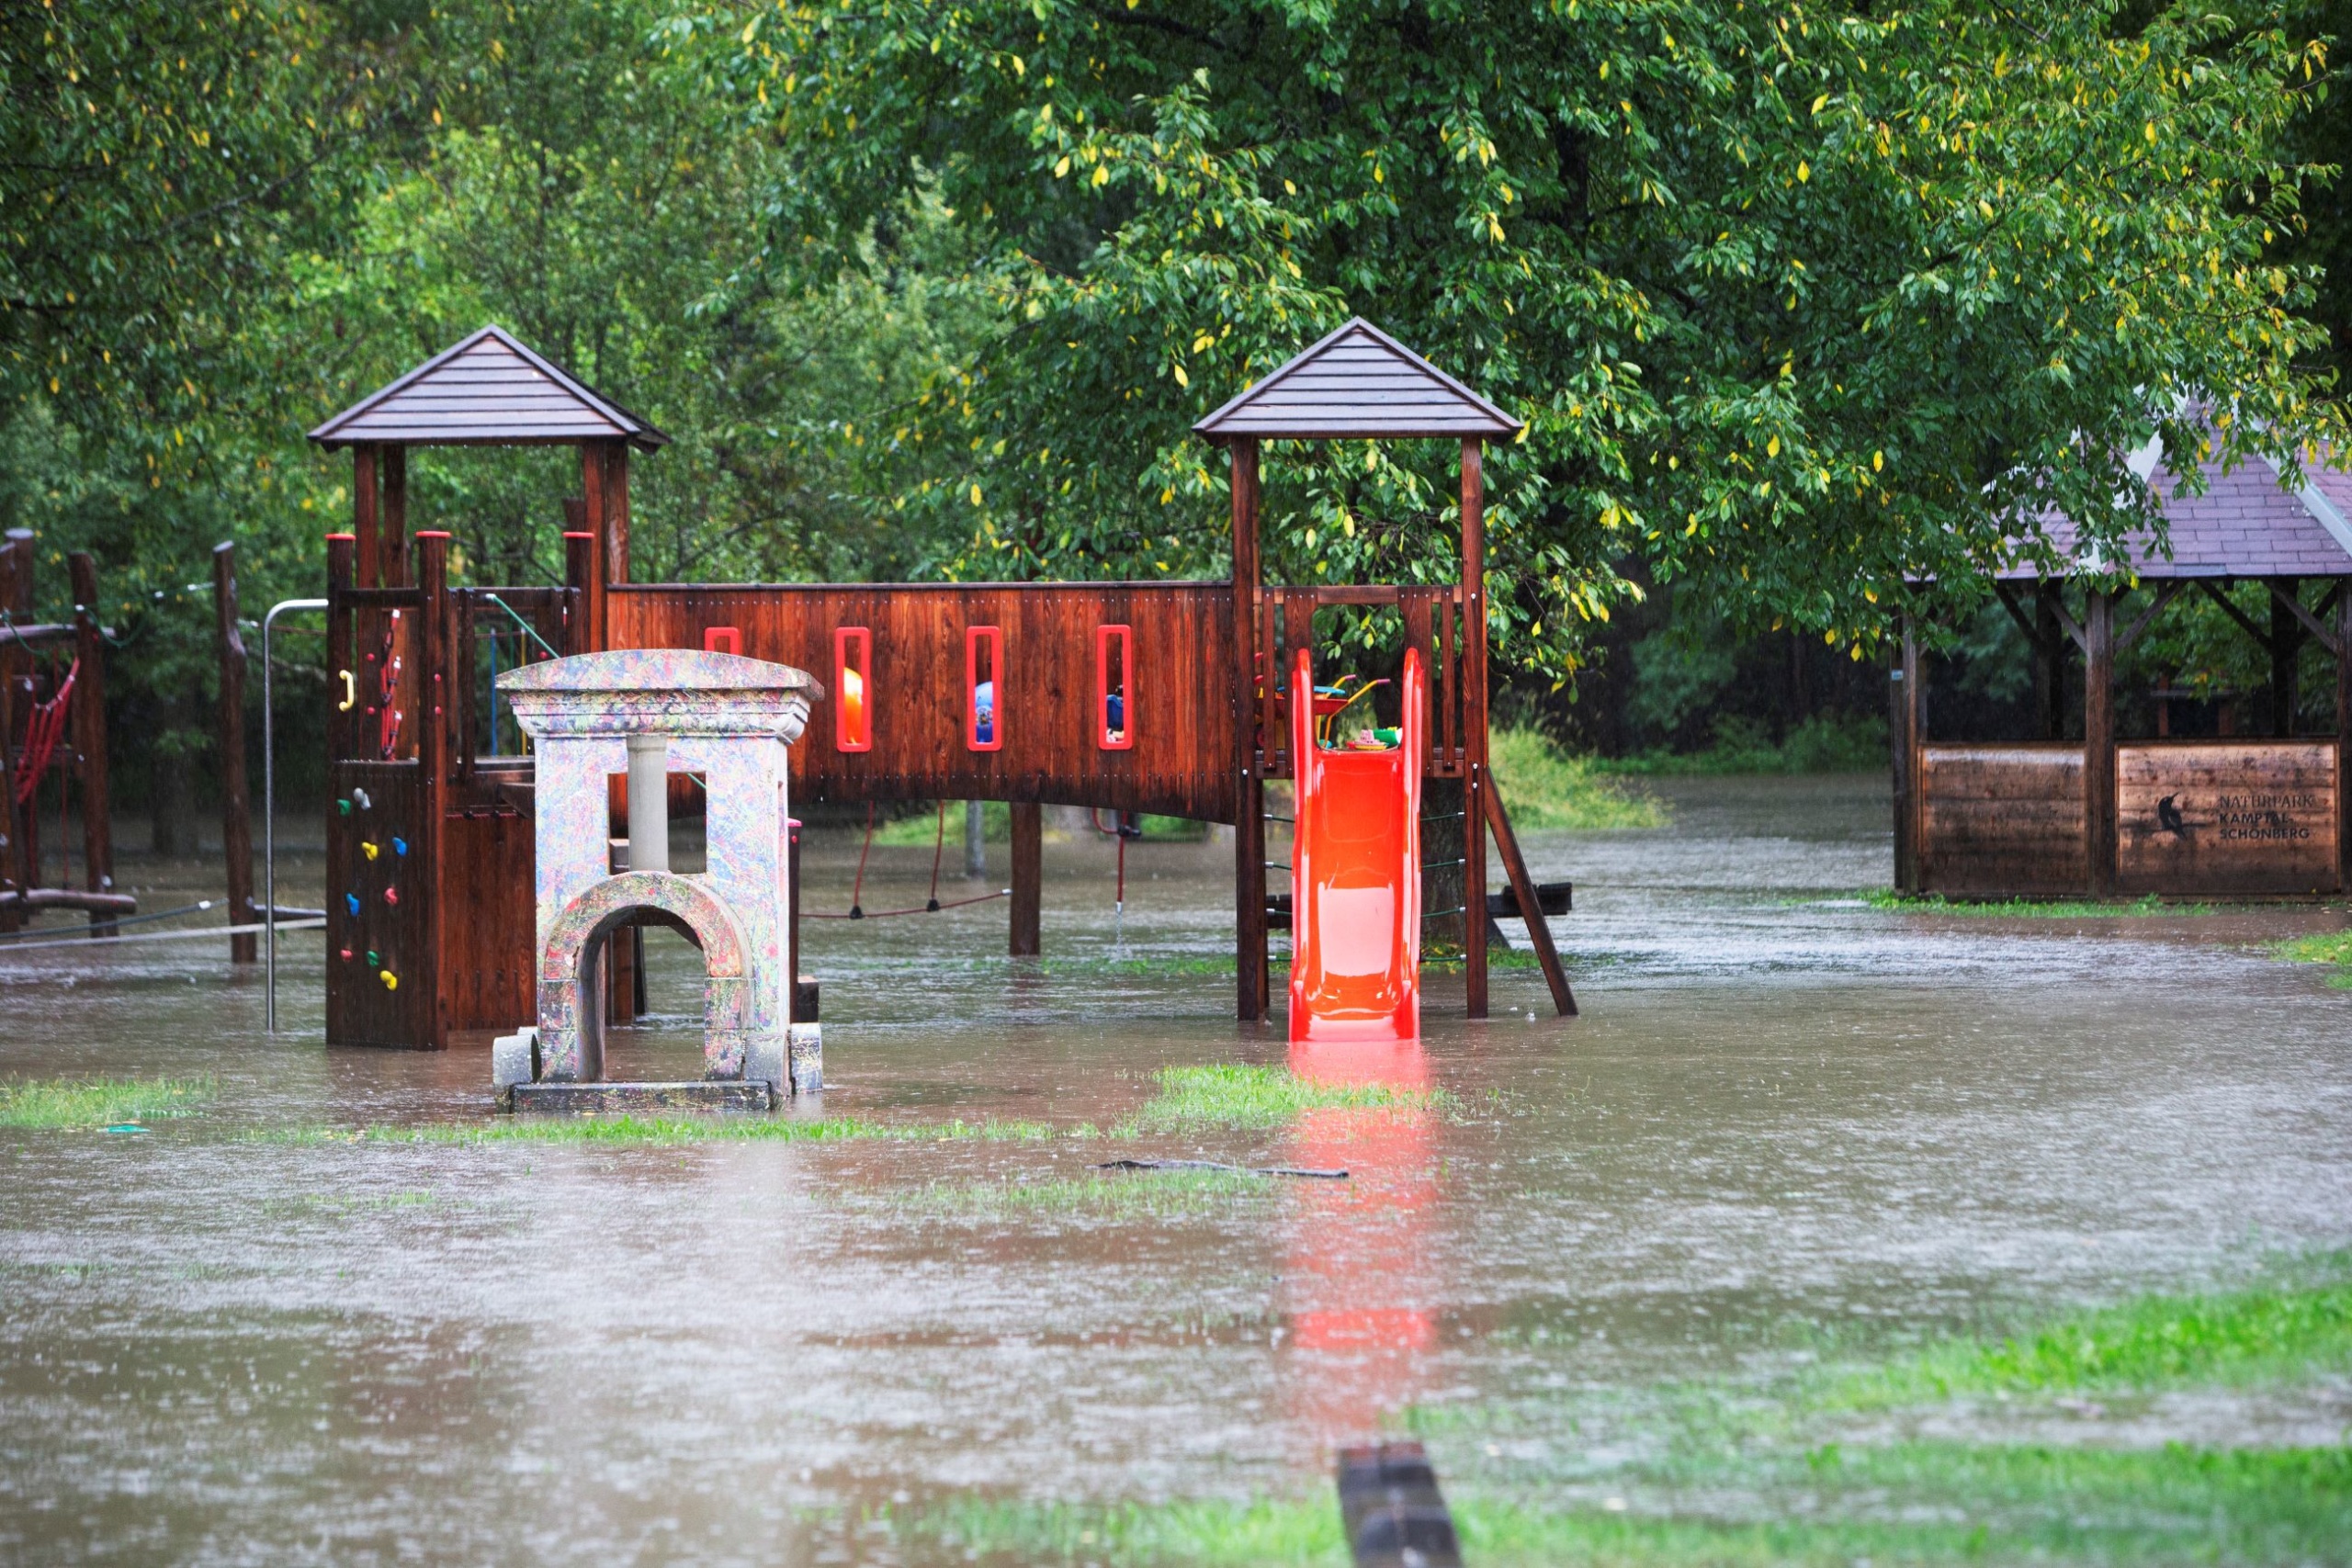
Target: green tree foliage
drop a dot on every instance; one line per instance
(1804, 299)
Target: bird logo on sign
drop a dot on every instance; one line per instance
(2169, 817)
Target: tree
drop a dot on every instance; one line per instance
(1813, 302)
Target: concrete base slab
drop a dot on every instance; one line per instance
(604, 1098)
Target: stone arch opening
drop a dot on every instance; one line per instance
(572, 1030)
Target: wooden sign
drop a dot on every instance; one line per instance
(2240, 817)
(1998, 820)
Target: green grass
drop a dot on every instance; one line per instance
(672, 1130)
(99, 1102)
(1547, 787)
(1233, 1096)
(1779, 1476)
(2230, 1338)
(2326, 947)
(1826, 743)
(920, 829)
(1123, 1195)
(2031, 909)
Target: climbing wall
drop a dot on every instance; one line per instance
(380, 988)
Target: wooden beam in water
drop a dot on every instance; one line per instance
(1028, 877)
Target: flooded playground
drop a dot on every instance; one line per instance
(306, 1324)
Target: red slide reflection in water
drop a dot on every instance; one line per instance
(1358, 1276)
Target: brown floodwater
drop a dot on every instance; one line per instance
(1784, 1118)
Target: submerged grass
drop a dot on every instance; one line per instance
(99, 1102)
(1548, 787)
(2326, 947)
(2262, 1334)
(671, 1130)
(1780, 1478)
(1239, 1096)
(2031, 909)
(1142, 1194)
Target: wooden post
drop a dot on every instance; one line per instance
(1902, 742)
(16, 597)
(579, 577)
(1249, 785)
(2343, 737)
(617, 510)
(90, 732)
(341, 564)
(2285, 640)
(236, 813)
(592, 523)
(2098, 741)
(1028, 877)
(440, 880)
(364, 522)
(792, 920)
(1474, 728)
(392, 525)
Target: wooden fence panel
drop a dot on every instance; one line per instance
(2238, 817)
(2001, 820)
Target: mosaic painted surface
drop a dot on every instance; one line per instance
(726, 717)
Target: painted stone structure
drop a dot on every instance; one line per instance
(725, 719)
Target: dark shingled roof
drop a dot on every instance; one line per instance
(1358, 382)
(2244, 524)
(489, 391)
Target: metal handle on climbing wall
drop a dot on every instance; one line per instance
(350, 692)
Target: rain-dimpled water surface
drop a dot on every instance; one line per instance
(1783, 1109)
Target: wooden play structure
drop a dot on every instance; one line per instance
(53, 746)
(2102, 814)
(1083, 693)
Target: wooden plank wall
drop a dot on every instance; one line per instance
(2000, 820)
(1181, 712)
(361, 1010)
(2229, 817)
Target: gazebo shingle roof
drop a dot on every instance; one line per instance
(2246, 525)
(1357, 382)
(489, 391)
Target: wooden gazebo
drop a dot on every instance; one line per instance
(2164, 815)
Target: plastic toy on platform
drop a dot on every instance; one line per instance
(652, 712)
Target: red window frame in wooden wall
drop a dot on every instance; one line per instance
(852, 705)
(1123, 737)
(973, 637)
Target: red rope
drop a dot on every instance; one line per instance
(858, 889)
(42, 732)
(938, 846)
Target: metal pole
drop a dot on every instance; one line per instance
(269, 815)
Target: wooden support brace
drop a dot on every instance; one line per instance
(2212, 590)
(2318, 629)
(1530, 908)
(90, 731)
(2165, 594)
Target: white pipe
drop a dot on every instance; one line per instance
(649, 803)
(269, 817)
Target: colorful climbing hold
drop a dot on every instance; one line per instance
(392, 894)
(351, 902)
(373, 961)
(400, 846)
(346, 955)
(343, 807)
(392, 981)
(369, 850)
(361, 796)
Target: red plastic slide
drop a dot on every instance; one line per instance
(1355, 875)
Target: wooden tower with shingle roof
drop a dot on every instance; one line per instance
(1358, 383)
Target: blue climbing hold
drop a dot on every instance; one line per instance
(351, 902)
(400, 846)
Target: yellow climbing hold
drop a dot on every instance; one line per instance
(392, 981)
(370, 851)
